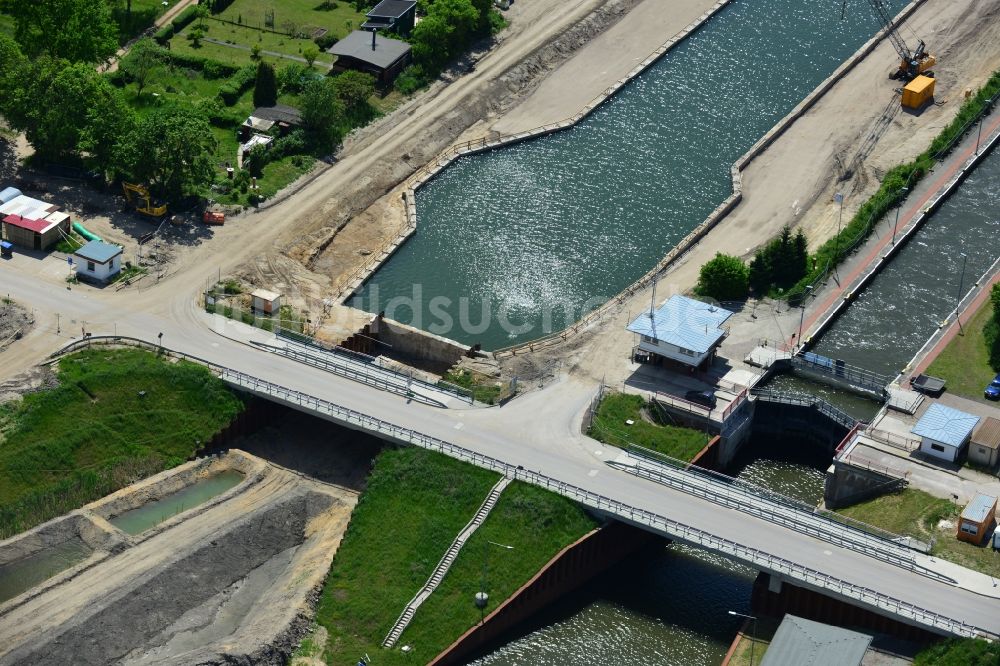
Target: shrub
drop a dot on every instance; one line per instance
(185, 18)
(411, 79)
(238, 84)
(724, 278)
(293, 77)
(326, 41)
(163, 35)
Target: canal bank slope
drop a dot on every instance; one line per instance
(844, 142)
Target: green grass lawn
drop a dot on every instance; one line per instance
(484, 389)
(960, 652)
(915, 512)
(537, 523)
(94, 433)
(965, 362)
(246, 38)
(339, 17)
(609, 426)
(759, 640)
(415, 504)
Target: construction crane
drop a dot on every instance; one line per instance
(912, 63)
(139, 197)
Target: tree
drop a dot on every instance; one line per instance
(109, 121)
(196, 33)
(724, 278)
(991, 332)
(171, 150)
(322, 113)
(140, 62)
(265, 91)
(353, 90)
(54, 129)
(310, 53)
(13, 66)
(77, 30)
(430, 40)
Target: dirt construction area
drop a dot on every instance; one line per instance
(231, 580)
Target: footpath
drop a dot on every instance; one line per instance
(841, 286)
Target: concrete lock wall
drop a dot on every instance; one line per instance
(405, 342)
(846, 485)
(569, 569)
(776, 419)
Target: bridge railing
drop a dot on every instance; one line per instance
(360, 367)
(838, 415)
(643, 517)
(893, 439)
(731, 491)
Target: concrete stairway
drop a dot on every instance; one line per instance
(442, 568)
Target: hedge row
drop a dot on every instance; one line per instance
(890, 193)
(238, 84)
(163, 35)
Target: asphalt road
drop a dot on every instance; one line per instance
(540, 431)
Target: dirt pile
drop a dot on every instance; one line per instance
(15, 321)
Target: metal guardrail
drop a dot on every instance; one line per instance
(358, 366)
(637, 516)
(730, 487)
(892, 439)
(838, 415)
(854, 375)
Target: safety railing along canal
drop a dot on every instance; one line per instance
(825, 408)
(621, 510)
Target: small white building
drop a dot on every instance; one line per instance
(944, 432)
(98, 261)
(266, 301)
(682, 330)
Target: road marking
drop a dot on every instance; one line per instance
(592, 473)
(458, 426)
(215, 344)
(598, 452)
(827, 552)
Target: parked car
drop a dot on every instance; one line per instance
(706, 398)
(992, 391)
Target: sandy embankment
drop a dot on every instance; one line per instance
(845, 142)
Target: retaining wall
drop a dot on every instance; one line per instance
(774, 597)
(409, 343)
(569, 569)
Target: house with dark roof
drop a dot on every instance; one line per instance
(397, 16)
(382, 57)
(278, 119)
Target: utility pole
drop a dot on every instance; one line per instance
(839, 198)
(961, 285)
(753, 634)
(899, 204)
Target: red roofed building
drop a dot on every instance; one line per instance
(36, 234)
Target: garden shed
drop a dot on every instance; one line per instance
(265, 301)
(985, 443)
(977, 519)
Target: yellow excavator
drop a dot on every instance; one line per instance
(142, 201)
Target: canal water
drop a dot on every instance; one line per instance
(522, 241)
(668, 605)
(153, 513)
(853, 404)
(903, 305)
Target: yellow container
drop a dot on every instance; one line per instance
(918, 92)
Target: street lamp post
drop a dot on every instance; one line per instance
(899, 204)
(802, 310)
(961, 285)
(839, 198)
(482, 598)
(753, 634)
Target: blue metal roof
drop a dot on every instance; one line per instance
(98, 251)
(946, 425)
(9, 194)
(684, 322)
(979, 508)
